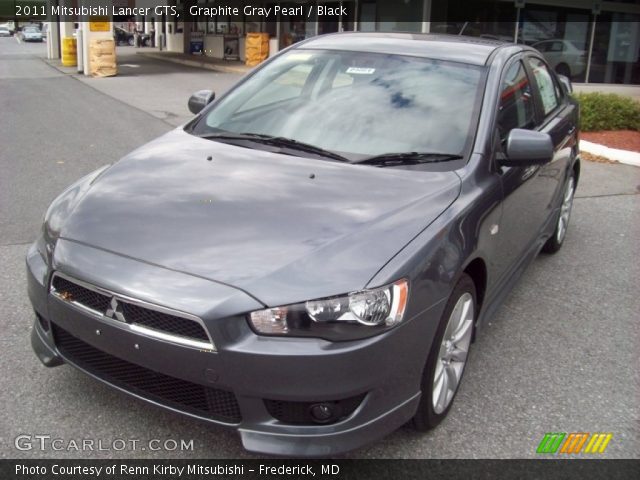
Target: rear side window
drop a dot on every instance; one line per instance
(516, 103)
(549, 91)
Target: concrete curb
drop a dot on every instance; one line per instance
(622, 156)
(197, 63)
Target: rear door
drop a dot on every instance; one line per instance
(557, 116)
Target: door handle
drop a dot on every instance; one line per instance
(529, 172)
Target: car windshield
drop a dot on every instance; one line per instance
(356, 104)
(31, 30)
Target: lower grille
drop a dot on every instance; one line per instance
(170, 391)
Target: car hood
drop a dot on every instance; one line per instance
(282, 228)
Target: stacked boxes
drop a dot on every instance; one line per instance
(257, 48)
(102, 57)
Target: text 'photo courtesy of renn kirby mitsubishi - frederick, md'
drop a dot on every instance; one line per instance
(341, 238)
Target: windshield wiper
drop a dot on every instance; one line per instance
(234, 136)
(407, 158)
(276, 142)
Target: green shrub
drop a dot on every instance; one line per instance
(608, 111)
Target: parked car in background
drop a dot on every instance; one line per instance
(563, 56)
(4, 32)
(123, 37)
(11, 26)
(31, 34)
(307, 260)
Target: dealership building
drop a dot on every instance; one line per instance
(591, 41)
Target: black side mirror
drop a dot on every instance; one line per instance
(566, 84)
(200, 99)
(527, 147)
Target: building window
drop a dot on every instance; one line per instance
(616, 49)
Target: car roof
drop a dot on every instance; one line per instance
(459, 48)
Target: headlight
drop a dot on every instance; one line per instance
(353, 316)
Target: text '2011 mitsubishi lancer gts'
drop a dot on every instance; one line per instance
(307, 260)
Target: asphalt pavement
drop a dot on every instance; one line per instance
(161, 89)
(561, 355)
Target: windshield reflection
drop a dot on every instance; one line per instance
(356, 104)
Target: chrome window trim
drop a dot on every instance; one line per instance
(134, 327)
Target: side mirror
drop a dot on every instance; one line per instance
(200, 99)
(527, 147)
(566, 83)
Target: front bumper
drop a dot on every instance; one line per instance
(385, 370)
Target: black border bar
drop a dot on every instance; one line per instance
(333, 469)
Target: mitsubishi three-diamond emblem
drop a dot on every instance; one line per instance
(115, 310)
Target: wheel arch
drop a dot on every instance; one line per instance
(477, 270)
(576, 170)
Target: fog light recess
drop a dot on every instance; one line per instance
(44, 323)
(322, 412)
(313, 413)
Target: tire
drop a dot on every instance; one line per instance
(560, 232)
(563, 69)
(131, 41)
(436, 402)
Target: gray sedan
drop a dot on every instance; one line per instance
(307, 260)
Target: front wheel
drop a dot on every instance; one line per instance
(448, 356)
(556, 240)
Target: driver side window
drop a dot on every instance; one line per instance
(516, 108)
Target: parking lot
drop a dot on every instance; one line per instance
(560, 356)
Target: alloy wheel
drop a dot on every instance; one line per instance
(452, 356)
(565, 211)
